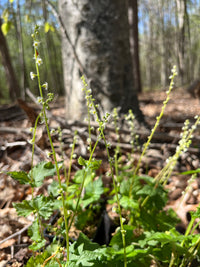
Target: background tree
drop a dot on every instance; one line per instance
(20, 19)
(181, 18)
(159, 44)
(134, 41)
(99, 32)
(14, 90)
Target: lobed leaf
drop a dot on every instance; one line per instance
(21, 176)
(40, 171)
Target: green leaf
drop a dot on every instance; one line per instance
(6, 26)
(146, 190)
(34, 231)
(40, 171)
(24, 208)
(116, 241)
(125, 187)
(37, 261)
(80, 248)
(128, 203)
(166, 237)
(166, 220)
(138, 253)
(85, 258)
(35, 235)
(196, 214)
(93, 191)
(82, 218)
(80, 174)
(94, 164)
(54, 187)
(22, 177)
(90, 164)
(88, 244)
(41, 205)
(82, 161)
(190, 172)
(38, 245)
(48, 27)
(86, 253)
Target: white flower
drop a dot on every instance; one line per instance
(39, 99)
(38, 61)
(48, 154)
(88, 140)
(36, 43)
(32, 75)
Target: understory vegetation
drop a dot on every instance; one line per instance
(143, 232)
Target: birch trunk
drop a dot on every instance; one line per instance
(99, 33)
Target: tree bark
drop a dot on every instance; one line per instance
(181, 7)
(14, 89)
(164, 64)
(99, 33)
(149, 36)
(23, 74)
(134, 35)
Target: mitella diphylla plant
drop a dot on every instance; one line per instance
(145, 234)
(45, 105)
(40, 206)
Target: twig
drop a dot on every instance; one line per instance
(16, 234)
(14, 130)
(12, 144)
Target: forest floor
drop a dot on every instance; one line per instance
(15, 155)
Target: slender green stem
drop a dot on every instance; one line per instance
(82, 184)
(70, 164)
(192, 252)
(53, 150)
(174, 73)
(91, 105)
(123, 232)
(171, 264)
(33, 149)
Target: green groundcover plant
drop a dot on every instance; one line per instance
(145, 233)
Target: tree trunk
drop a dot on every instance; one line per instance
(99, 34)
(23, 74)
(149, 53)
(133, 21)
(14, 89)
(53, 54)
(164, 64)
(181, 7)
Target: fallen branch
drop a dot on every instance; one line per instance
(14, 130)
(16, 234)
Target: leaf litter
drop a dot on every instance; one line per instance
(15, 155)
